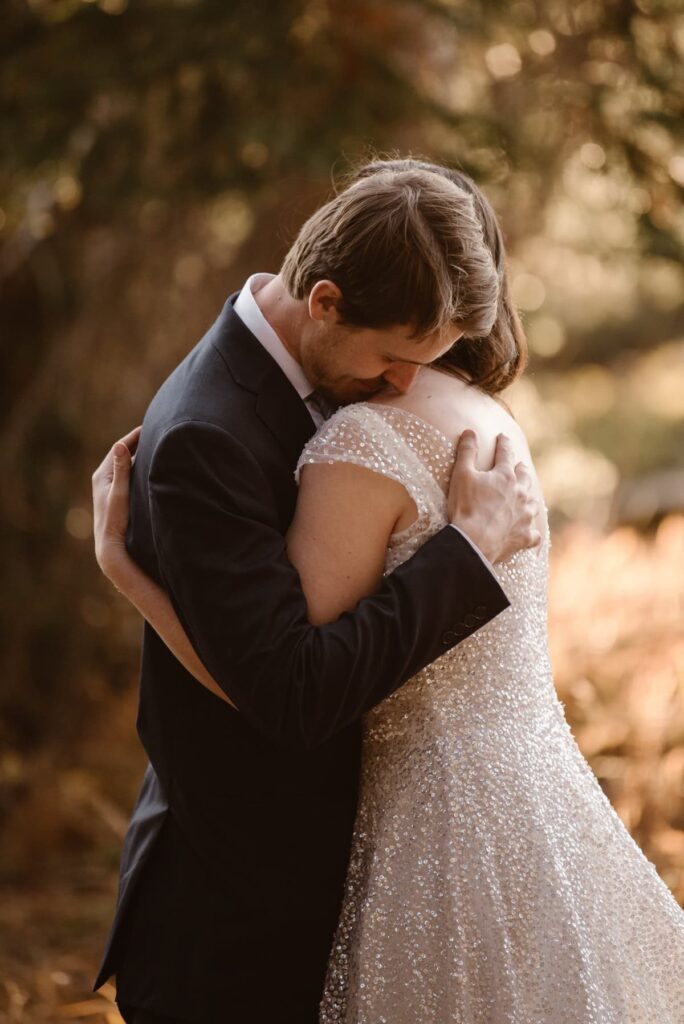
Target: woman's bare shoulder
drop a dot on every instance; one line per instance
(452, 406)
(447, 402)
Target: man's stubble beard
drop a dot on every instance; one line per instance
(342, 391)
(319, 367)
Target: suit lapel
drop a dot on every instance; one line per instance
(277, 404)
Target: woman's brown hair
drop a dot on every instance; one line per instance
(489, 360)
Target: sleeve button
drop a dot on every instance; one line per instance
(470, 621)
(449, 637)
(480, 611)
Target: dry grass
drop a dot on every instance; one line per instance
(617, 629)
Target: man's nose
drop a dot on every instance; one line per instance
(401, 376)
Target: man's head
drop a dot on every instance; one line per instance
(391, 273)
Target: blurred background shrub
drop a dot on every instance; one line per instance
(156, 152)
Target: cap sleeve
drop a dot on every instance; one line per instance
(360, 435)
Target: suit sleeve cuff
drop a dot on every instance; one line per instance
(474, 547)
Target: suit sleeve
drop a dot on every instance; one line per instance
(224, 563)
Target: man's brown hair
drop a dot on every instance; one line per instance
(495, 358)
(405, 247)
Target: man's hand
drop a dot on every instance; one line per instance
(110, 502)
(495, 507)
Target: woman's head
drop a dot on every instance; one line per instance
(494, 357)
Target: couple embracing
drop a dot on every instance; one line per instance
(363, 802)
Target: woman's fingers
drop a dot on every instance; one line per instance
(115, 510)
(131, 440)
(103, 475)
(121, 472)
(111, 488)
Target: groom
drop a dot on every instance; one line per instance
(235, 858)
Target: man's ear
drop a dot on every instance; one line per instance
(324, 302)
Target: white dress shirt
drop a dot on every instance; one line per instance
(247, 309)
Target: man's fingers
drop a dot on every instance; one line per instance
(466, 450)
(523, 475)
(503, 455)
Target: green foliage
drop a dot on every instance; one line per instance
(179, 99)
(146, 145)
(187, 97)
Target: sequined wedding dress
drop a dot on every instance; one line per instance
(490, 880)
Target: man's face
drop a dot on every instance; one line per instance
(354, 364)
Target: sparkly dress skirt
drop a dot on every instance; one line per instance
(490, 879)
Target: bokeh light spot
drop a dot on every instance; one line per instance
(79, 523)
(675, 168)
(503, 61)
(41, 224)
(68, 192)
(542, 42)
(114, 6)
(528, 292)
(254, 154)
(189, 270)
(592, 155)
(546, 336)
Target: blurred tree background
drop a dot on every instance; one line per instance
(156, 152)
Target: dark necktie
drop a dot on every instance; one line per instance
(323, 404)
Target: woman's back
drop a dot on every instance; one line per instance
(451, 405)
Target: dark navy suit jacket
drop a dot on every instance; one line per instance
(234, 862)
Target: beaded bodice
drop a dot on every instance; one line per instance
(413, 452)
(399, 445)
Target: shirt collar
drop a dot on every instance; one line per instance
(248, 310)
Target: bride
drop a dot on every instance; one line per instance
(490, 880)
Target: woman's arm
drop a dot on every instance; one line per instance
(337, 547)
(241, 598)
(154, 605)
(338, 539)
(110, 501)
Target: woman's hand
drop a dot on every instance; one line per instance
(111, 490)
